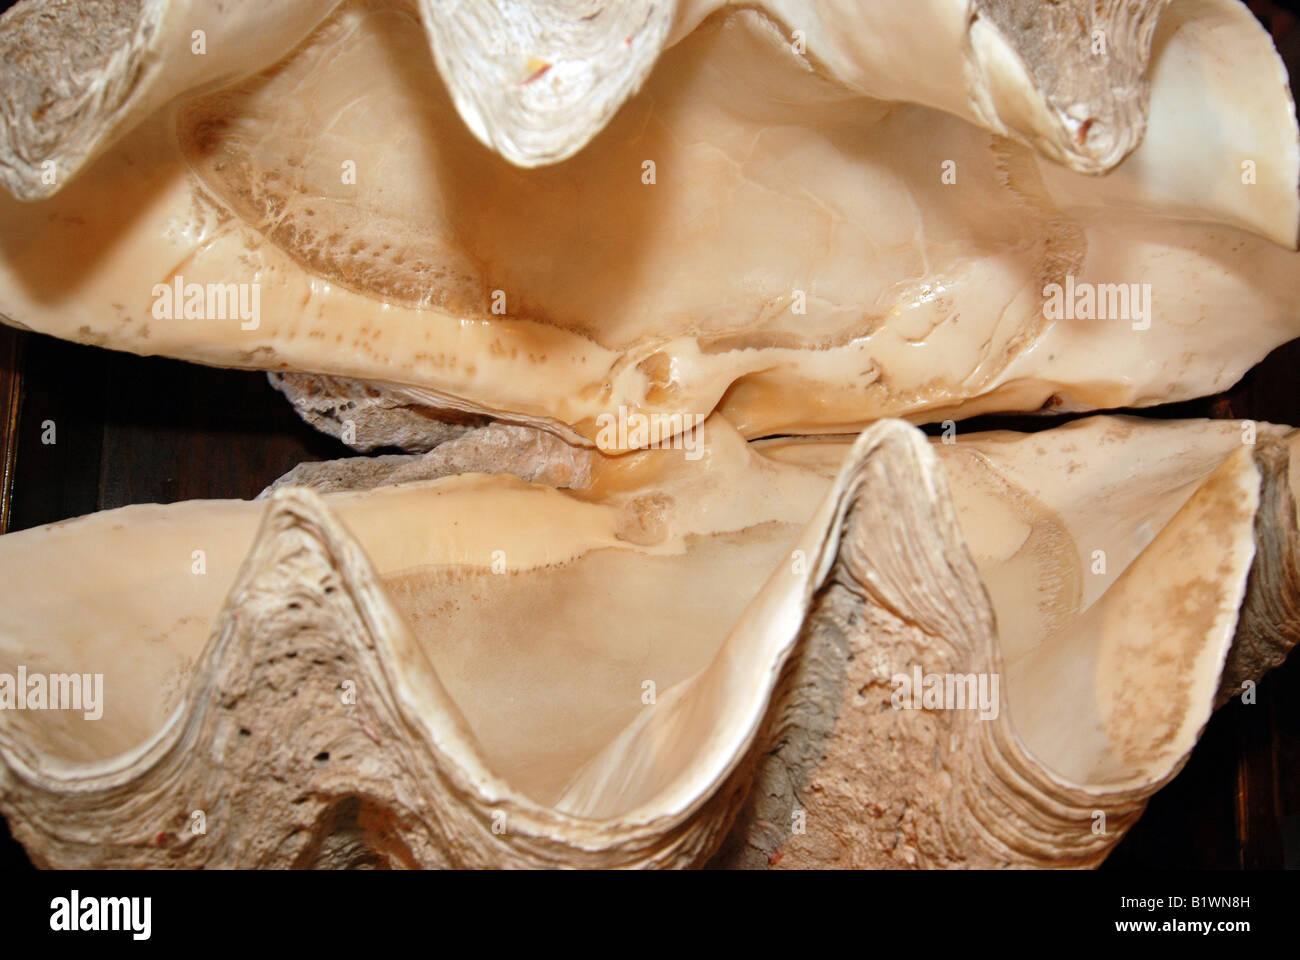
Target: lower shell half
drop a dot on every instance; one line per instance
(885, 652)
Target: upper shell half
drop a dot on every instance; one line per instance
(805, 215)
